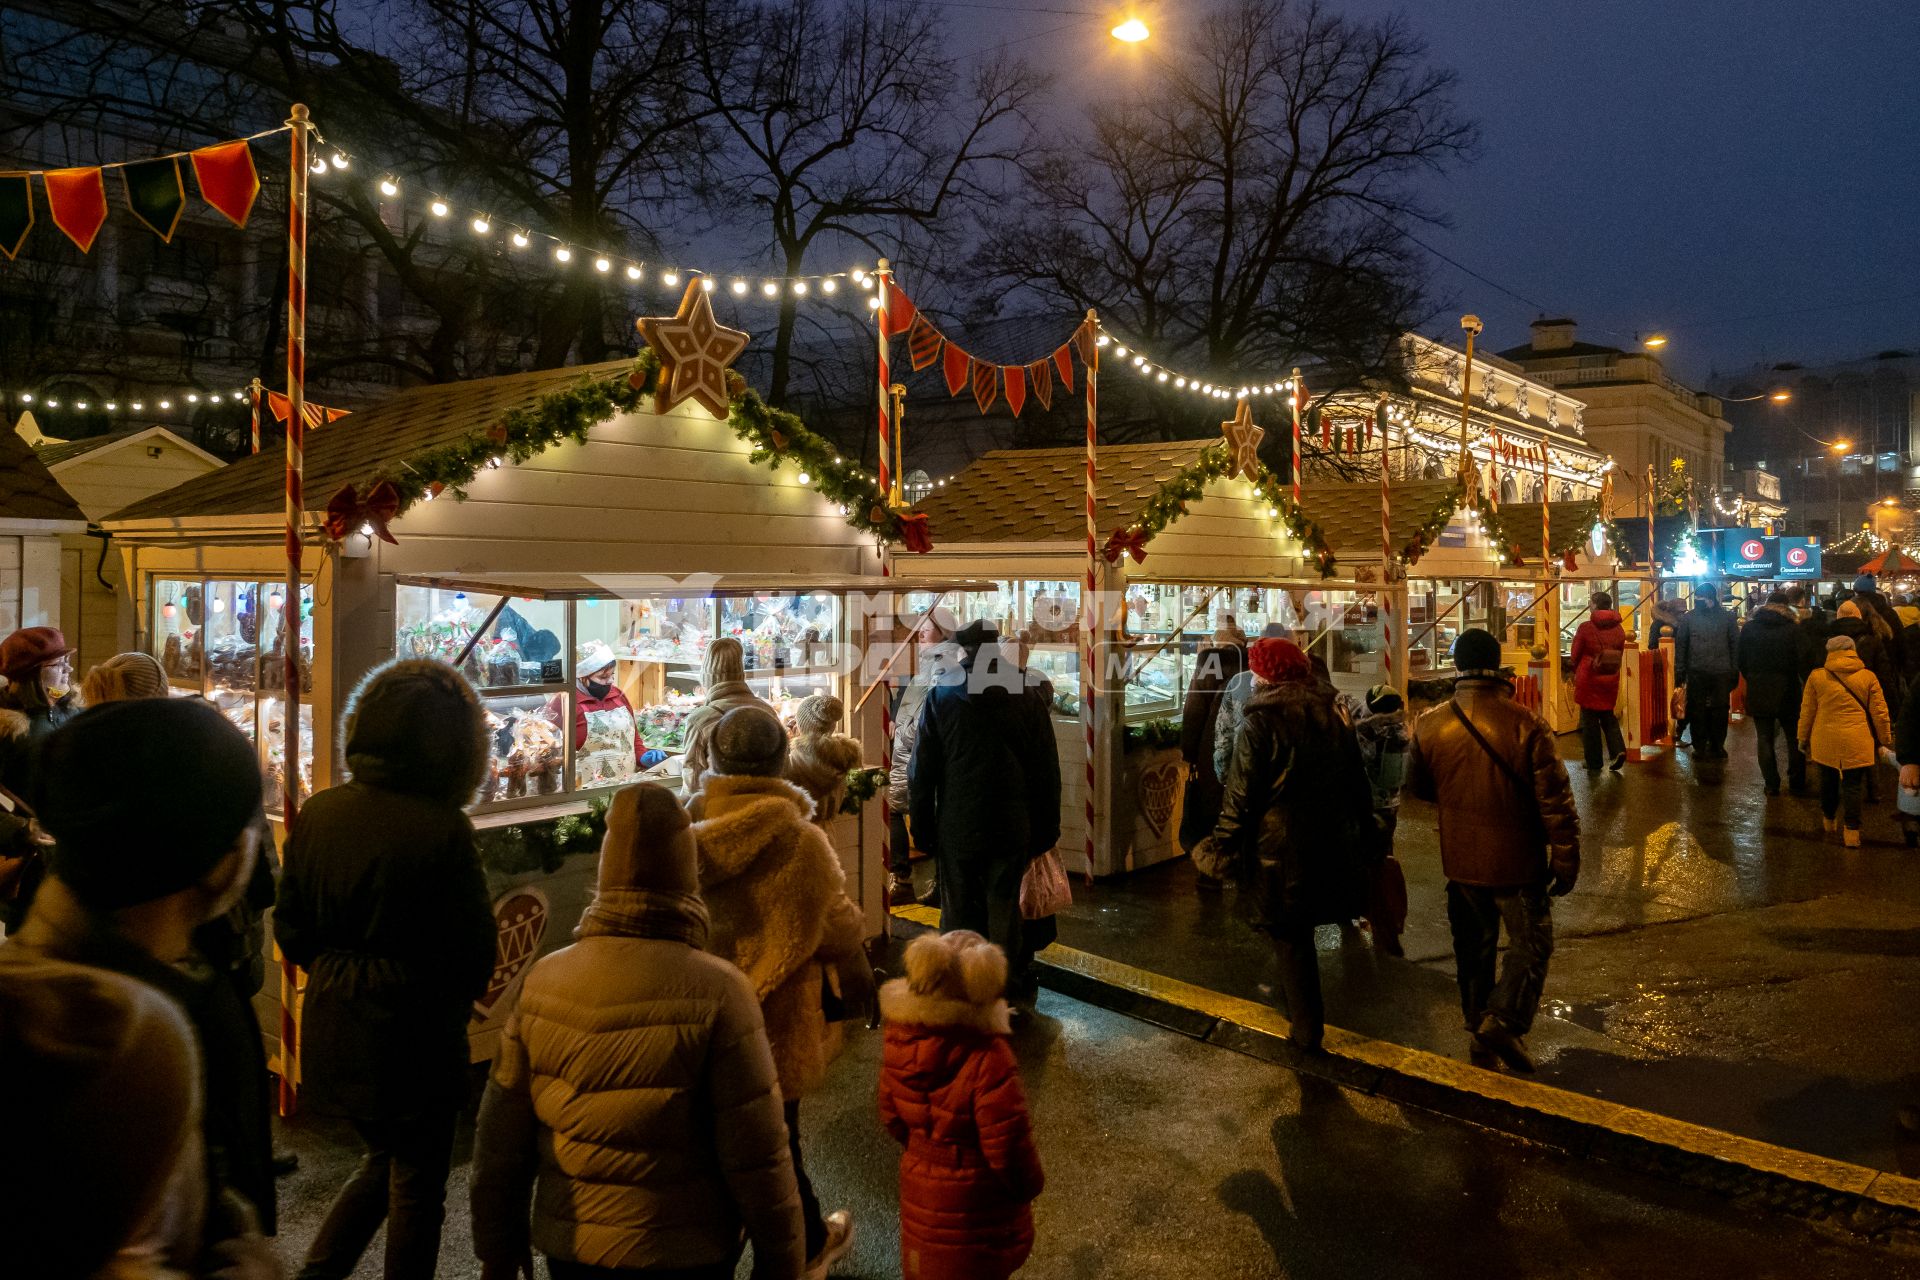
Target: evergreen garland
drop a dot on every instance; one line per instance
(1497, 532)
(776, 436)
(542, 846)
(1215, 462)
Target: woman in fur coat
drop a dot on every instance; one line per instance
(950, 1094)
(780, 912)
(820, 757)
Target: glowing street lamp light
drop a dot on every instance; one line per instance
(1655, 341)
(1132, 31)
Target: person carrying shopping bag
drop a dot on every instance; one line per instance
(1843, 726)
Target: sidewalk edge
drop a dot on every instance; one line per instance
(1866, 1202)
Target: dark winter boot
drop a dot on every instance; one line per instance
(1506, 1046)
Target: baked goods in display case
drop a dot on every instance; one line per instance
(527, 754)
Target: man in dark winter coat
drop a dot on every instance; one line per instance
(1771, 659)
(984, 788)
(1892, 632)
(1706, 663)
(383, 902)
(1214, 665)
(1296, 822)
(134, 869)
(1509, 843)
(1598, 644)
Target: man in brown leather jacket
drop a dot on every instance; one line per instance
(1509, 843)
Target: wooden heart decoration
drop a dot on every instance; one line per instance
(521, 917)
(1159, 788)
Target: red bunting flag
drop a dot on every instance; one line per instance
(986, 384)
(1040, 380)
(1326, 430)
(77, 199)
(923, 343)
(1015, 378)
(1085, 340)
(898, 314)
(227, 178)
(313, 414)
(1063, 361)
(958, 367)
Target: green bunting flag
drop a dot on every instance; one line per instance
(155, 194)
(16, 212)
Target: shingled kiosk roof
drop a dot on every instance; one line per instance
(28, 490)
(1350, 513)
(362, 445)
(1568, 524)
(1038, 495)
(55, 454)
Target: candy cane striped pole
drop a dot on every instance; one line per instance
(1386, 553)
(290, 607)
(1089, 608)
(1297, 393)
(884, 472)
(254, 388)
(1653, 570)
(1546, 528)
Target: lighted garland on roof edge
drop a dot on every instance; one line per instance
(1188, 485)
(1429, 531)
(570, 413)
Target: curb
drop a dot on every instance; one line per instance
(1866, 1202)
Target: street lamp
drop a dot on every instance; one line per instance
(1655, 341)
(1778, 396)
(1132, 31)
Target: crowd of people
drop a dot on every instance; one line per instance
(642, 1114)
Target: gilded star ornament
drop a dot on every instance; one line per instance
(694, 350)
(1243, 438)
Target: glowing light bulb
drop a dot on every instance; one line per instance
(706, 284)
(481, 226)
(670, 279)
(828, 286)
(275, 600)
(739, 287)
(26, 397)
(1120, 351)
(138, 406)
(388, 187)
(866, 282)
(1102, 340)
(563, 254)
(80, 405)
(769, 288)
(799, 288)
(168, 609)
(319, 165)
(218, 605)
(805, 478)
(111, 406)
(519, 239)
(164, 404)
(439, 208)
(193, 397)
(1181, 383)
(633, 273)
(873, 304)
(602, 265)
(1162, 376)
(339, 161)
(1132, 31)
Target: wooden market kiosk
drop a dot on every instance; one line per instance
(650, 534)
(1017, 518)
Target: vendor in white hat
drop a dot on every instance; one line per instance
(606, 734)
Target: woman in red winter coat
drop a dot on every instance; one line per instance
(1597, 657)
(950, 1094)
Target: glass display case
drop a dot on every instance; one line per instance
(550, 736)
(226, 640)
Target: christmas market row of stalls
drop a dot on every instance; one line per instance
(524, 528)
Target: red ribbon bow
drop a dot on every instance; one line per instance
(347, 511)
(1131, 541)
(914, 533)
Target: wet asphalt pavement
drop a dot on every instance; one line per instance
(1721, 961)
(1167, 1157)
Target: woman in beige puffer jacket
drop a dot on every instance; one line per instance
(634, 1097)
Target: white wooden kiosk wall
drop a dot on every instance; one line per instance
(671, 495)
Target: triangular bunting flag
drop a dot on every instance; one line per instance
(899, 315)
(312, 414)
(227, 179)
(155, 194)
(1326, 430)
(1083, 339)
(77, 199)
(16, 212)
(923, 343)
(986, 384)
(1063, 361)
(1040, 382)
(958, 367)
(1015, 378)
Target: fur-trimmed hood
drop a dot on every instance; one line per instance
(901, 1005)
(416, 726)
(14, 725)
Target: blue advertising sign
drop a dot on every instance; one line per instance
(1799, 557)
(1739, 553)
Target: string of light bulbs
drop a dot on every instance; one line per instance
(165, 402)
(528, 240)
(1156, 371)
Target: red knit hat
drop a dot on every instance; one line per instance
(1274, 659)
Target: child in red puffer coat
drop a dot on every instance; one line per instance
(950, 1094)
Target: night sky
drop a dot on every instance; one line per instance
(1691, 167)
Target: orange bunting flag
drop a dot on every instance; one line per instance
(1083, 339)
(898, 314)
(1040, 382)
(77, 199)
(227, 178)
(958, 367)
(923, 343)
(1015, 378)
(986, 384)
(1063, 361)
(312, 414)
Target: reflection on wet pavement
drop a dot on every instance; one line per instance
(1720, 962)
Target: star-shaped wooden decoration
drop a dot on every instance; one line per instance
(694, 351)
(1243, 438)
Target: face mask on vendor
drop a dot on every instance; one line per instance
(600, 683)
